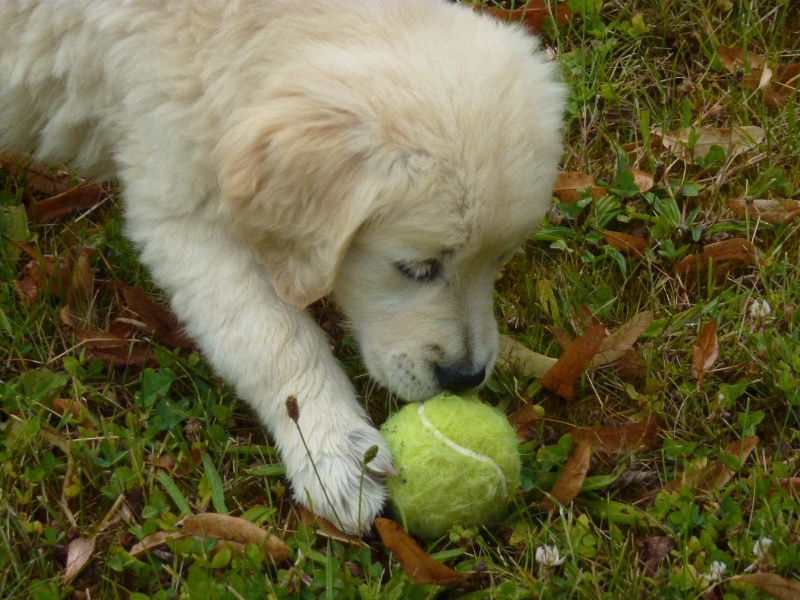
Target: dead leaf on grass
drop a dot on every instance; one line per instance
(79, 552)
(705, 351)
(570, 185)
(627, 244)
(656, 548)
(41, 274)
(523, 421)
(714, 475)
(616, 441)
(83, 197)
(237, 530)
(616, 345)
(777, 84)
(733, 250)
(734, 59)
(569, 483)
(562, 376)
(62, 406)
(418, 566)
(38, 177)
(108, 347)
(153, 541)
(790, 485)
(775, 211)
(533, 16)
(524, 360)
(326, 529)
(162, 322)
(735, 140)
(774, 585)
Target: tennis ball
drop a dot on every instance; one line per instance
(457, 462)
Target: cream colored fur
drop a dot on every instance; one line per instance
(275, 151)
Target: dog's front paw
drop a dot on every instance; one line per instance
(341, 476)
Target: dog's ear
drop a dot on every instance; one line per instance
(293, 179)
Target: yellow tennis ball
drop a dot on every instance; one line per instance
(457, 461)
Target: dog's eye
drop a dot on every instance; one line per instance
(421, 272)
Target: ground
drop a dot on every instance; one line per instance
(94, 457)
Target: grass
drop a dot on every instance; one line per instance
(173, 437)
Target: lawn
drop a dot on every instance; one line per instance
(665, 466)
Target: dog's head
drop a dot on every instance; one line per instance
(401, 178)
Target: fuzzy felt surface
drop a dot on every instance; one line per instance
(457, 461)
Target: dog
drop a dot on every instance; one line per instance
(390, 153)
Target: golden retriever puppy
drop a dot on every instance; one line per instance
(393, 153)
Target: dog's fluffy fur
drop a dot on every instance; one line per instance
(391, 152)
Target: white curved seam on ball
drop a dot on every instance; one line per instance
(461, 450)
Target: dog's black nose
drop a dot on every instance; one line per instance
(459, 378)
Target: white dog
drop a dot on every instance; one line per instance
(393, 153)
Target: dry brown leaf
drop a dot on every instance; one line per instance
(62, 406)
(162, 322)
(570, 184)
(82, 280)
(38, 177)
(524, 360)
(326, 529)
(523, 421)
(790, 485)
(781, 85)
(42, 273)
(625, 243)
(642, 179)
(562, 377)
(714, 475)
(776, 586)
(83, 197)
(771, 211)
(734, 59)
(705, 351)
(616, 345)
(563, 337)
(533, 16)
(418, 566)
(569, 483)
(235, 529)
(735, 140)
(79, 552)
(738, 250)
(107, 347)
(615, 441)
(153, 541)
(656, 548)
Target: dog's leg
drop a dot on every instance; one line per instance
(270, 351)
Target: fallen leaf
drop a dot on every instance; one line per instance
(62, 406)
(642, 179)
(772, 584)
(235, 529)
(523, 421)
(616, 345)
(562, 376)
(771, 211)
(533, 16)
(714, 475)
(524, 360)
(82, 280)
(570, 185)
(153, 541)
(736, 250)
(38, 177)
(79, 552)
(418, 566)
(656, 548)
(569, 483)
(625, 243)
(563, 337)
(83, 197)
(790, 485)
(40, 274)
(326, 529)
(780, 86)
(162, 322)
(108, 347)
(735, 140)
(705, 351)
(616, 441)
(734, 59)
